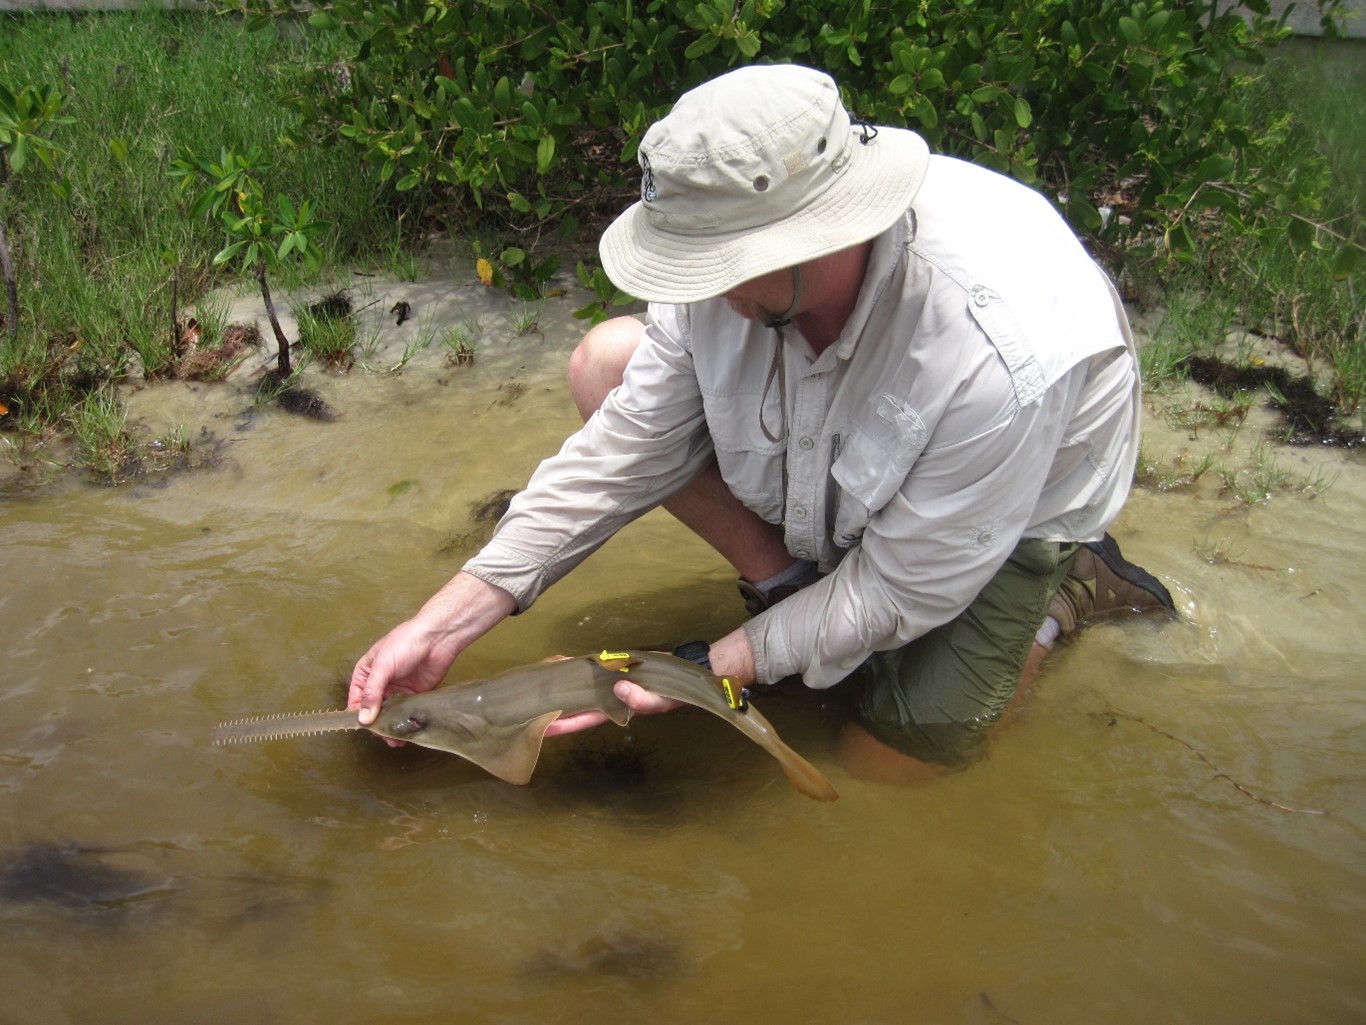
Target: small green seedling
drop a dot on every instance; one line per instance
(261, 236)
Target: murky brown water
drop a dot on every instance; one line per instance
(1094, 868)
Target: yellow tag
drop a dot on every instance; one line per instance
(615, 656)
(735, 696)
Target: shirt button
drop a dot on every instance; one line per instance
(807, 444)
(981, 298)
(802, 553)
(799, 513)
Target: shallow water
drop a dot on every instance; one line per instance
(1119, 856)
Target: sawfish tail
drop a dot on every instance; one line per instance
(804, 777)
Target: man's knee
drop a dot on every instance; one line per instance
(599, 361)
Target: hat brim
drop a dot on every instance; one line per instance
(876, 189)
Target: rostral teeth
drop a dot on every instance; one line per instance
(279, 725)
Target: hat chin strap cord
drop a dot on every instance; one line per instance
(776, 369)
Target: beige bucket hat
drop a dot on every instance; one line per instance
(751, 172)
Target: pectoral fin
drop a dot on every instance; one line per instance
(511, 754)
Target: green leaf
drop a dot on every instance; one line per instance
(1217, 199)
(924, 111)
(227, 253)
(323, 20)
(119, 149)
(502, 94)
(545, 153)
(1129, 29)
(1023, 116)
(702, 45)
(1213, 168)
(593, 313)
(901, 85)
(512, 256)
(1344, 262)
(1082, 211)
(1300, 232)
(1178, 241)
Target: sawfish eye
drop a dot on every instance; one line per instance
(413, 724)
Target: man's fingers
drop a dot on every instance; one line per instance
(356, 696)
(576, 722)
(639, 700)
(642, 701)
(367, 688)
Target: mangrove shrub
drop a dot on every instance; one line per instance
(1125, 113)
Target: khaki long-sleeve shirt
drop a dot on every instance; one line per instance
(984, 389)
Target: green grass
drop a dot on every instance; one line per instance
(458, 340)
(95, 270)
(326, 336)
(1304, 296)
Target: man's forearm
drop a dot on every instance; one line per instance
(731, 656)
(464, 610)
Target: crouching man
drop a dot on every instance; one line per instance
(890, 388)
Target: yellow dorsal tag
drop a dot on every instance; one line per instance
(621, 661)
(736, 696)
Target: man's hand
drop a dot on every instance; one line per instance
(639, 700)
(416, 655)
(409, 659)
(730, 656)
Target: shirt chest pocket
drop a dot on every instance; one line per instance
(750, 464)
(874, 456)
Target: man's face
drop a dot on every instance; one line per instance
(764, 298)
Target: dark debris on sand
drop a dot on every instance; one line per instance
(1310, 419)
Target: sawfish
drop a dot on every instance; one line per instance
(498, 723)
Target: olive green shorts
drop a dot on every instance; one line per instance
(935, 698)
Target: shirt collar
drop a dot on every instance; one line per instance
(889, 249)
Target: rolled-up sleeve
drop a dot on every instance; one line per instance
(645, 443)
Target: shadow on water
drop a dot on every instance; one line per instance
(139, 883)
(646, 957)
(73, 878)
